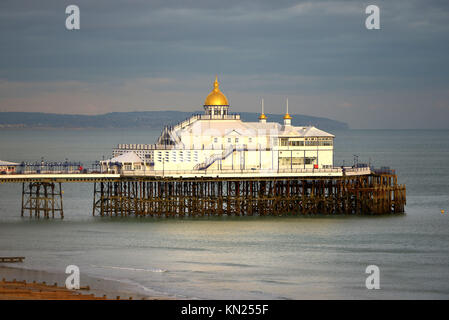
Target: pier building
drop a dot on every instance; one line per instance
(220, 141)
(7, 167)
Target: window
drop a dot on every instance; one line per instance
(215, 140)
(295, 161)
(326, 142)
(236, 140)
(250, 139)
(311, 142)
(296, 143)
(284, 142)
(310, 160)
(229, 140)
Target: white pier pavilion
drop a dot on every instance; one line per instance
(220, 143)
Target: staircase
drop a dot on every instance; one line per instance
(211, 160)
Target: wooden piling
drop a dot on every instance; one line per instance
(178, 197)
(42, 198)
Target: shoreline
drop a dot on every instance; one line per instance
(42, 283)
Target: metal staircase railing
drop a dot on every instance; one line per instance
(211, 160)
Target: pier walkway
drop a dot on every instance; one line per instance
(58, 177)
(107, 177)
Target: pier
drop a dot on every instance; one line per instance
(216, 164)
(334, 191)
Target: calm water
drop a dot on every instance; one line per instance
(246, 258)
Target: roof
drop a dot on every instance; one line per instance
(7, 163)
(129, 157)
(226, 127)
(314, 132)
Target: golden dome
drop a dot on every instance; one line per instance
(263, 116)
(216, 97)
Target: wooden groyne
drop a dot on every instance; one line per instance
(372, 194)
(11, 259)
(23, 290)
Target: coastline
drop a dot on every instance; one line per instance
(92, 288)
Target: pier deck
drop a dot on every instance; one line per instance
(104, 177)
(238, 192)
(58, 177)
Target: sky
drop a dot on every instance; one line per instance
(137, 55)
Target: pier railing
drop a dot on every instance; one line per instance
(335, 171)
(343, 171)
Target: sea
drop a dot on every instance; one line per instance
(307, 257)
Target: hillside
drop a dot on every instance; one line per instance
(153, 119)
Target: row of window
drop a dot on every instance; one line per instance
(217, 111)
(177, 156)
(236, 140)
(285, 142)
(296, 161)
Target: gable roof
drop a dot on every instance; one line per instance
(7, 163)
(233, 133)
(315, 132)
(129, 157)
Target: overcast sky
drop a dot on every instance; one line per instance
(164, 54)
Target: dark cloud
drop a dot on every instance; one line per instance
(303, 48)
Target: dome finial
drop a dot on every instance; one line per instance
(287, 116)
(216, 89)
(263, 117)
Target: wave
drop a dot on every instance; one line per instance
(132, 269)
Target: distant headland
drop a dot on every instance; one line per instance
(137, 119)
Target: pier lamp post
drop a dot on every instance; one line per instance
(356, 160)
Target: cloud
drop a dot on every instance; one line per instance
(167, 49)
